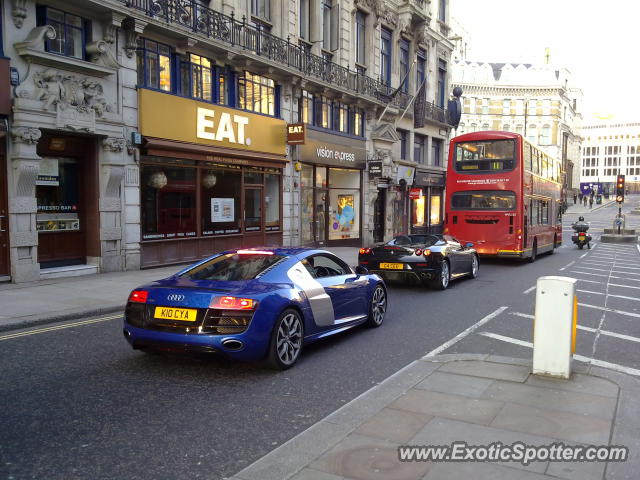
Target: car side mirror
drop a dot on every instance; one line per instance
(469, 245)
(360, 270)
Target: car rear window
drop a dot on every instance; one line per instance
(233, 267)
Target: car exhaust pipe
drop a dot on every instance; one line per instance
(126, 333)
(232, 344)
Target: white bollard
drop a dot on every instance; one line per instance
(554, 326)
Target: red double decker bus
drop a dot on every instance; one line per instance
(504, 195)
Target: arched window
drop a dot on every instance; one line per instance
(519, 129)
(474, 127)
(485, 126)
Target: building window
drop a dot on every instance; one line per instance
(506, 127)
(261, 9)
(506, 107)
(519, 129)
(442, 10)
(421, 61)
(306, 107)
(385, 56)
(546, 107)
(326, 24)
(341, 117)
(442, 82)
(196, 77)
(436, 148)
(519, 107)
(257, 93)
(485, 106)
(358, 123)
(71, 31)
(154, 65)
(361, 22)
(532, 109)
(404, 141)
(304, 19)
(545, 135)
(419, 148)
(532, 134)
(404, 65)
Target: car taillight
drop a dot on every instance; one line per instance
(365, 251)
(139, 296)
(418, 251)
(426, 253)
(232, 303)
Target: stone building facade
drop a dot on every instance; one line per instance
(537, 101)
(148, 132)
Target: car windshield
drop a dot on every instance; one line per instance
(427, 240)
(233, 267)
(485, 156)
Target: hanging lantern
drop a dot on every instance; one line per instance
(158, 180)
(209, 180)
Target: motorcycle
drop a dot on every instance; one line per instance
(581, 237)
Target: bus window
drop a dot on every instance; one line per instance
(484, 156)
(527, 157)
(483, 200)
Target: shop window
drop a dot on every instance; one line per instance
(344, 204)
(220, 200)
(252, 209)
(417, 211)
(252, 177)
(57, 195)
(168, 202)
(321, 177)
(306, 176)
(154, 65)
(435, 215)
(272, 201)
(71, 32)
(257, 94)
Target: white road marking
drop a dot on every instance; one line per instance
(529, 290)
(610, 295)
(584, 255)
(612, 310)
(623, 286)
(579, 358)
(590, 281)
(567, 265)
(466, 332)
(588, 273)
(597, 269)
(638, 247)
(58, 327)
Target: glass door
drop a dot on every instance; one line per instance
(320, 224)
(253, 216)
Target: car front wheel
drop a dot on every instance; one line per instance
(378, 307)
(286, 340)
(442, 282)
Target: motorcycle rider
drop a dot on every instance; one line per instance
(582, 226)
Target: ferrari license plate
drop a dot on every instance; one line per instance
(182, 314)
(392, 266)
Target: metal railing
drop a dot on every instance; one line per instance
(191, 15)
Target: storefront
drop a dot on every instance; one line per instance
(400, 199)
(331, 188)
(427, 202)
(210, 183)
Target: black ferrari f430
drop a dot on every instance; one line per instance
(432, 259)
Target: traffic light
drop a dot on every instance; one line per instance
(620, 189)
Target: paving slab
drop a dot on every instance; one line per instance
(499, 371)
(394, 425)
(479, 471)
(455, 384)
(554, 399)
(553, 423)
(579, 383)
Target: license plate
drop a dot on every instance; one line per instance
(392, 266)
(182, 314)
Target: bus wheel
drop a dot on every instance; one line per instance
(555, 245)
(534, 252)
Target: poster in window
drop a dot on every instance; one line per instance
(345, 214)
(222, 210)
(48, 172)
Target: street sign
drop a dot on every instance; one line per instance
(375, 168)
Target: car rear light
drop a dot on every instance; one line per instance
(418, 251)
(232, 303)
(426, 253)
(364, 263)
(365, 251)
(139, 296)
(421, 264)
(254, 252)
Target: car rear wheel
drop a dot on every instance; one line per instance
(378, 307)
(475, 266)
(442, 282)
(286, 340)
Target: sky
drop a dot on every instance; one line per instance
(598, 41)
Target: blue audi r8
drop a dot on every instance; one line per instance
(252, 304)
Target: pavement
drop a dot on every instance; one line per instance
(580, 208)
(46, 301)
(477, 399)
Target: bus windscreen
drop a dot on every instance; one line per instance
(485, 156)
(483, 200)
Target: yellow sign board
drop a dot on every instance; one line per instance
(176, 118)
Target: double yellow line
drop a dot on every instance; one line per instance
(58, 327)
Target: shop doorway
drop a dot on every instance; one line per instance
(320, 217)
(253, 217)
(4, 217)
(379, 215)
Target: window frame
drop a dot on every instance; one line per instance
(361, 37)
(386, 55)
(146, 69)
(403, 59)
(84, 29)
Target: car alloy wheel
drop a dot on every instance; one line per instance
(378, 307)
(442, 282)
(474, 266)
(286, 342)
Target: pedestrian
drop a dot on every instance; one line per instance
(580, 197)
(575, 198)
(584, 200)
(591, 201)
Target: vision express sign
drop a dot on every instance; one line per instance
(334, 150)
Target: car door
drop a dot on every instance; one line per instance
(462, 256)
(346, 289)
